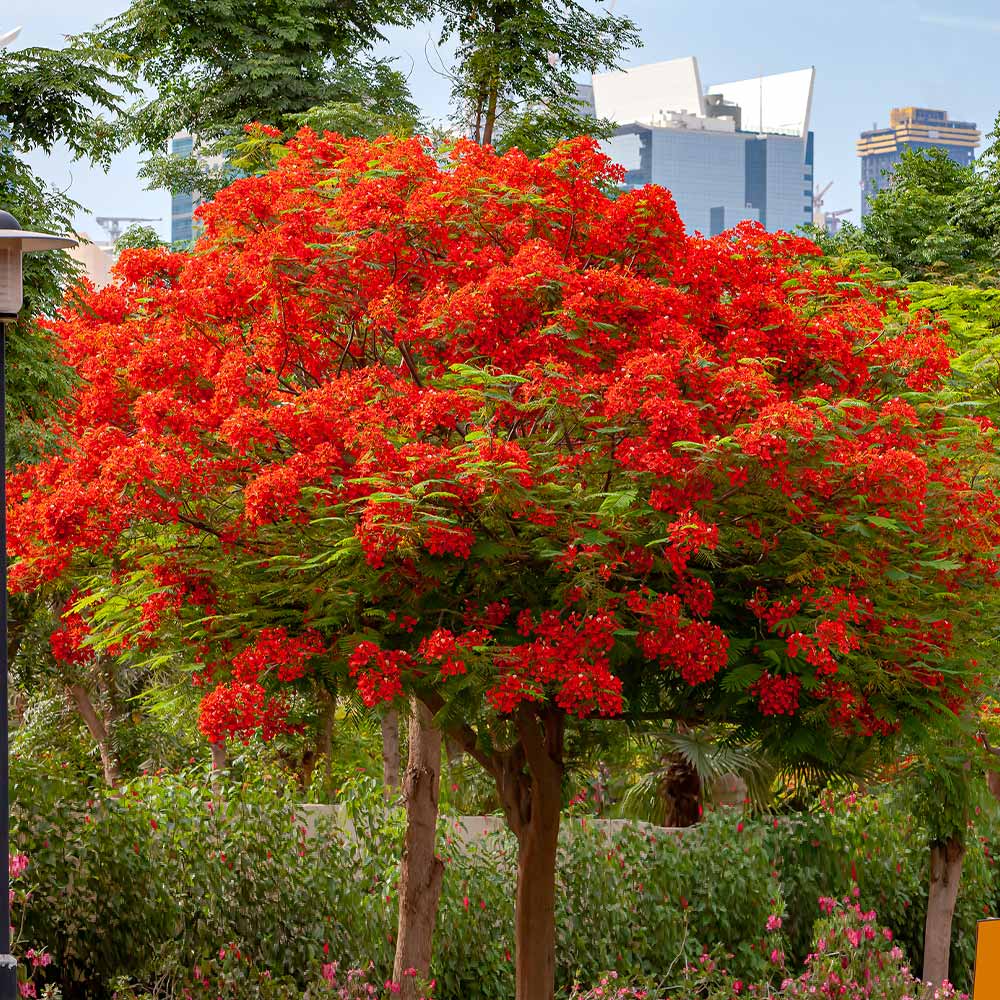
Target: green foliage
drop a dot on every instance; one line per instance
(514, 83)
(218, 64)
(973, 317)
(911, 223)
(147, 884)
(937, 220)
(47, 96)
(36, 378)
(214, 66)
(57, 95)
(138, 236)
(880, 845)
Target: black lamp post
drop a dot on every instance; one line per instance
(14, 241)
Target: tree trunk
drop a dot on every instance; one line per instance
(324, 739)
(946, 873)
(220, 759)
(535, 910)
(993, 783)
(390, 754)
(421, 871)
(80, 697)
(682, 791)
(491, 115)
(529, 780)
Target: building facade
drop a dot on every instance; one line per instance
(95, 259)
(183, 226)
(881, 149)
(182, 205)
(738, 151)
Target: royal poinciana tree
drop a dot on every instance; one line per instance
(482, 433)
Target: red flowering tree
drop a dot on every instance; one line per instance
(480, 433)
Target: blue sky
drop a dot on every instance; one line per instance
(870, 55)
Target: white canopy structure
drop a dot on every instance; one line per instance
(779, 104)
(646, 93)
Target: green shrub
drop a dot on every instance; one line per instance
(879, 845)
(146, 886)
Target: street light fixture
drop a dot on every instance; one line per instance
(14, 242)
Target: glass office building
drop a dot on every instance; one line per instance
(183, 225)
(881, 149)
(737, 151)
(182, 205)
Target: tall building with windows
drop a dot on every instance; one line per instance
(731, 152)
(182, 205)
(183, 227)
(881, 149)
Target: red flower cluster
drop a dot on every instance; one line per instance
(777, 695)
(240, 709)
(67, 641)
(273, 648)
(633, 456)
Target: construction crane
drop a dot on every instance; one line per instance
(830, 221)
(818, 196)
(115, 225)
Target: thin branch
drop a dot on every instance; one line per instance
(404, 349)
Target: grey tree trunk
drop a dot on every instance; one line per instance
(80, 698)
(421, 870)
(220, 759)
(946, 874)
(390, 754)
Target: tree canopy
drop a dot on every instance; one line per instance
(483, 433)
(513, 84)
(47, 96)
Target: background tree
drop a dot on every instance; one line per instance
(214, 67)
(936, 220)
(513, 83)
(47, 96)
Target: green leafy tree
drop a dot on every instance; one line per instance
(215, 66)
(936, 220)
(47, 96)
(513, 84)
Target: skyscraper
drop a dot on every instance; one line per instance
(881, 149)
(739, 150)
(183, 227)
(182, 205)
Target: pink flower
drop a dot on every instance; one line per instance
(774, 923)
